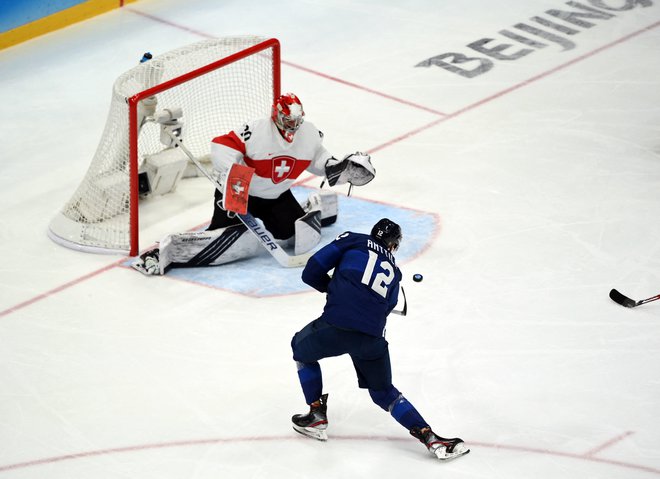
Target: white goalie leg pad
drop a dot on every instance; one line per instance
(207, 248)
(326, 202)
(308, 232)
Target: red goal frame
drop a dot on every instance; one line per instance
(133, 101)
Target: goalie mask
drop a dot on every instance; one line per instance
(387, 232)
(288, 115)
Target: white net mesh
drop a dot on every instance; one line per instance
(97, 218)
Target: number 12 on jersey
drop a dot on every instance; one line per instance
(382, 279)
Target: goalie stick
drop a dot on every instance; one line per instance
(265, 238)
(624, 300)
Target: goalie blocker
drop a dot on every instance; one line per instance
(236, 188)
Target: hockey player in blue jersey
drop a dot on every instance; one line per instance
(361, 293)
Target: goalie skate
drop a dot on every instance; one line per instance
(442, 448)
(314, 423)
(147, 263)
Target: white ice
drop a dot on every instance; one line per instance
(544, 174)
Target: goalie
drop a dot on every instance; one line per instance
(256, 166)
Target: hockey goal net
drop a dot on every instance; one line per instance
(216, 84)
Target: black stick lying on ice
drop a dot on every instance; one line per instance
(627, 302)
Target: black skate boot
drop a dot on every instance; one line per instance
(441, 447)
(314, 423)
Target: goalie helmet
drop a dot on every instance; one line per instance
(388, 233)
(288, 115)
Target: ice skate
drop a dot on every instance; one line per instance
(314, 423)
(147, 263)
(444, 449)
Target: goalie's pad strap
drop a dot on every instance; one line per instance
(308, 232)
(236, 188)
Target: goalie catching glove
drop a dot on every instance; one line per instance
(355, 169)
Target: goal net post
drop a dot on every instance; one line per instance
(214, 86)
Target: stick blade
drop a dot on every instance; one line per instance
(622, 299)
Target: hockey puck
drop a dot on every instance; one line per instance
(417, 277)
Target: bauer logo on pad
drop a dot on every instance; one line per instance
(237, 188)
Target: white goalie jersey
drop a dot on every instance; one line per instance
(277, 163)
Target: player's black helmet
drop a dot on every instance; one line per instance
(388, 233)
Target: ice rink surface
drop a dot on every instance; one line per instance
(542, 178)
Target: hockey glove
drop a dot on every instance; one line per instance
(355, 169)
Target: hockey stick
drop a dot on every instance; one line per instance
(627, 302)
(404, 311)
(265, 238)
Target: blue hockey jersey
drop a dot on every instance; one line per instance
(364, 287)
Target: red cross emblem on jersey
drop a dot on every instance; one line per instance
(283, 166)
